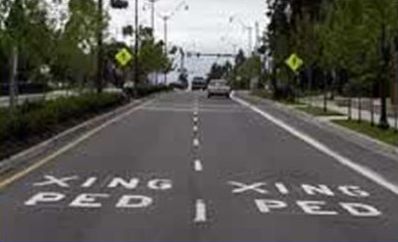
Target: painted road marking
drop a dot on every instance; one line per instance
(195, 128)
(66, 191)
(69, 146)
(88, 200)
(62, 182)
(289, 205)
(317, 208)
(198, 165)
(252, 187)
(200, 211)
(196, 143)
(364, 171)
(280, 188)
(195, 119)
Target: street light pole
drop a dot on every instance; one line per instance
(165, 29)
(250, 42)
(249, 30)
(100, 61)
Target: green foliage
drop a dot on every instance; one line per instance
(42, 118)
(387, 136)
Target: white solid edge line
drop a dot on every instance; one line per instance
(200, 211)
(198, 165)
(69, 146)
(364, 171)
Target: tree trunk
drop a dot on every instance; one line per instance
(383, 124)
(13, 79)
(359, 109)
(325, 95)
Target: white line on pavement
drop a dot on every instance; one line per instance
(364, 171)
(70, 146)
(196, 142)
(195, 119)
(200, 213)
(198, 165)
(195, 128)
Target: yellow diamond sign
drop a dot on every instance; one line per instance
(294, 62)
(123, 57)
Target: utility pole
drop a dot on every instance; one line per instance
(258, 38)
(165, 29)
(250, 31)
(153, 11)
(136, 23)
(100, 61)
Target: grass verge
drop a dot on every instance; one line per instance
(317, 111)
(386, 136)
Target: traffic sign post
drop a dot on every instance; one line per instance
(123, 57)
(294, 62)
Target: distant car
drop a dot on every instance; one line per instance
(199, 83)
(218, 88)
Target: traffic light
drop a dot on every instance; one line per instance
(128, 30)
(119, 4)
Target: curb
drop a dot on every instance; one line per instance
(362, 140)
(28, 156)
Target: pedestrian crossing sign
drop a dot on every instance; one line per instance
(294, 62)
(123, 57)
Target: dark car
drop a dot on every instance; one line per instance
(199, 83)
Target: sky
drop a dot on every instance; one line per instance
(204, 27)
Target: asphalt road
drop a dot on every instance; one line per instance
(185, 168)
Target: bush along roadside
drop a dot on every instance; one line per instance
(145, 90)
(35, 122)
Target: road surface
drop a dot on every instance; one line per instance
(185, 168)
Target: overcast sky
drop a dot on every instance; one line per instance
(204, 27)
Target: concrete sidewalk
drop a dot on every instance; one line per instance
(355, 114)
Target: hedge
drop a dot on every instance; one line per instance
(38, 120)
(145, 90)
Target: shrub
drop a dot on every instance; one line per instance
(40, 118)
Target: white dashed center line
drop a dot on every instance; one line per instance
(200, 213)
(198, 165)
(195, 128)
(196, 143)
(195, 119)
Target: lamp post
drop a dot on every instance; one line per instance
(153, 11)
(249, 30)
(166, 18)
(136, 45)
